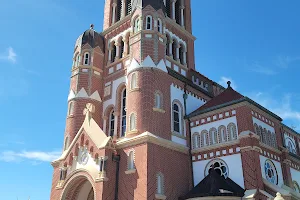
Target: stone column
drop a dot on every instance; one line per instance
(177, 52)
(182, 15)
(125, 52)
(104, 124)
(114, 13)
(109, 55)
(173, 9)
(117, 50)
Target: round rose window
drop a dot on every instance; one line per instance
(219, 166)
(271, 172)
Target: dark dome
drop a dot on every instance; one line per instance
(92, 38)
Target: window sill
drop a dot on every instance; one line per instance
(132, 132)
(135, 90)
(130, 171)
(159, 110)
(178, 135)
(160, 196)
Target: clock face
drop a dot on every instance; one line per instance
(84, 158)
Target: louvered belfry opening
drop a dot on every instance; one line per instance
(128, 7)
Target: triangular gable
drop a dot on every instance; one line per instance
(98, 137)
(96, 96)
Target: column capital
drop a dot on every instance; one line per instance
(114, 4)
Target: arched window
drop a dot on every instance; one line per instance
(71, 108)
(177, 12)
(222, 134)
(181, 54)
(159, 25)
(122, 49)
(196, 141)
(77, 60)
(269, 138)
(264, 135)
(131, 160)
(290, 145)
(86, 58)
(112, 123)
(213, 136)
(204, 138)
(168, 8)
(128, 7)
(167, 45)
(123, 112)
(158, 100)
(160, 184)
(67, 143)
(232, 132)
(174, 49)
(274, 143)
(149, 22)
(132, 122)
(133, 83)
(177, 118)
(137, 25)
(296, 186)
(113, 52)
(219, 166)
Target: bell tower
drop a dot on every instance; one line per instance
(86, 86)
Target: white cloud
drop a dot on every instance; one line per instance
(285, 61)
(263, 70)
(10, 55)
(282, 107)
(224, 81)
(33, 156)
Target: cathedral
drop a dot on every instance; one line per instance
(143, 124)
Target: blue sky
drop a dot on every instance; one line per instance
(253, 43)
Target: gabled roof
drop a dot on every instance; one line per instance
(96, 134)
(226, 98)
(215, 185)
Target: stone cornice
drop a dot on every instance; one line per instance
(148, 137)
(216, 146)
(270, 148)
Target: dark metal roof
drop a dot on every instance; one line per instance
(215, 185)
(92, 38)
(156, 4)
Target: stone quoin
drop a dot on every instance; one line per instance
(142, 123)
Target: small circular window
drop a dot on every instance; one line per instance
(271, 172)
(219, 166)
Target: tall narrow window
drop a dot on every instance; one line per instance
(174, 49)
(71, 108)
(86, 59)
(119, 10)
(232, 132)
(128, 7)
(168, 8)
(177, 11)
(133, 83)
(167, 45)
(160, 184)
(159, 25)
(131, 160)
(123, 110)
(77, 60)
(66, 146)
(137, 25)
(223, 134)
(204, 138)
(196, 142)
(132, 122)
(113, 53)
(213, 136)
(111, 123)
(176, 118)
(158, 100)
(149, 22)
(181, 54)
(121, 49)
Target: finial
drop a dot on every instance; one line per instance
(229, 83)
(92, 26)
